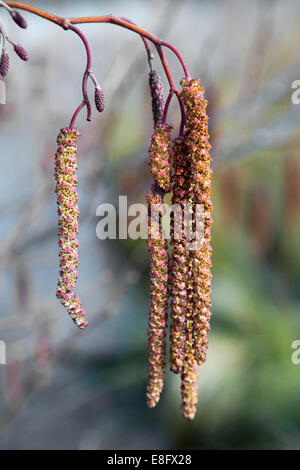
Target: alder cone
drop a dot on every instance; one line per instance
(99, 100)
(18, 18)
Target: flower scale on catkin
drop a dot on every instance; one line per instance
(199, 193)
(68, 215)
(180, 256)
(158, 312)
(160, 156)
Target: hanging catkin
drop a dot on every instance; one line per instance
(200, 193)
(159, 261)
(180, 256)
(68, 214)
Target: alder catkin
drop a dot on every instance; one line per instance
(158, 312)
(199, 193)
(68, 215)
(157, 95)
(160, 156)
(179, 259)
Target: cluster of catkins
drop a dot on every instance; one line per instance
(19, 50)
(184, 277)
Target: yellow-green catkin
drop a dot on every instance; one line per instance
(68, 215)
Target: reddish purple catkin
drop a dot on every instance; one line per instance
(18, 18)
(20, 51)
(158, 312)
(4, 64)
(157, 95)
(99, 99)
(68, 215)
(180, 256)
(159, 262)
(189, 374)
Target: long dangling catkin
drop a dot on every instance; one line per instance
(200, 193)
(68, 214)
(157, 96)
(4, 63)
(159, 261)
(158, 315)
(180, 258)
(189, 375)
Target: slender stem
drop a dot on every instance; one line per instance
(36, 11)
(166, 108)
(145, 41)
(72, 123)
(183, 63)
(86, 100)
(124, 23)
(182, 124)
(101, 19)
(173, 89)
(166, 67)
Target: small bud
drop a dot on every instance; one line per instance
(4, 64)
(21, 52)
(99, 99)
(18, 18)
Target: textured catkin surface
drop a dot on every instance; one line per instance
(158, 315)
(4, 64)
(157, 96)
(200, 193)
(68, 214)
(160, 156)
(99, 100)
(179, 259)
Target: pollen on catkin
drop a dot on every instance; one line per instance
(160, 156)
(158, 312)
(180, 256)
(68, 215)
(199, 193)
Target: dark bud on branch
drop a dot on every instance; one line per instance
(157, 95)
(99, 99)
(21, 52)
(4, 64)
(18, 18)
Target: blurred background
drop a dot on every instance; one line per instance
(64, 389)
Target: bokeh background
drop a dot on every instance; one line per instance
(64, 389)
